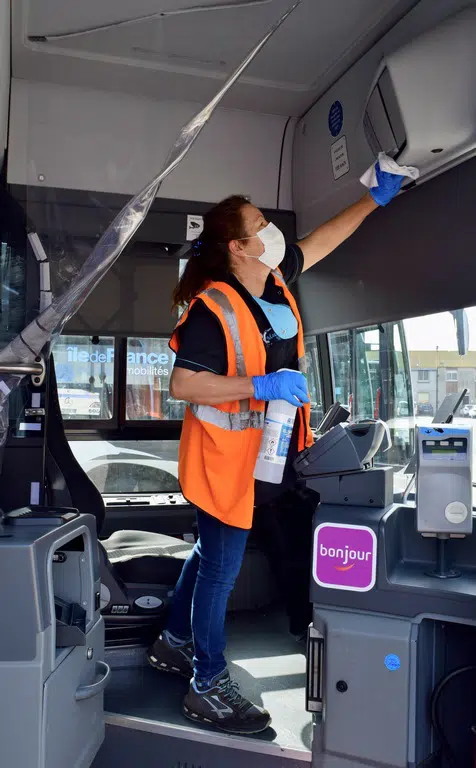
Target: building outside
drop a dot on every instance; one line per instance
(437, 373)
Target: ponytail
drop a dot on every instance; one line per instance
(209, 258)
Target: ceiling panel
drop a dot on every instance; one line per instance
(49, 16)
(183, 56)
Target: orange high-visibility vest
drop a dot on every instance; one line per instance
(220, 444)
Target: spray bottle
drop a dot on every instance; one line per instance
(273, 452)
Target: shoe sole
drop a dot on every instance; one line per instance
(163, 666)
(195, 718)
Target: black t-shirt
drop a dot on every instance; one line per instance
(202, 346)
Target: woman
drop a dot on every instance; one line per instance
(241, 326)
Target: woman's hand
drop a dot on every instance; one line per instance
(388, 186)
(283, 385)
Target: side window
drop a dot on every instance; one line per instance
(340, 352)
(314, 381)
(371, 376)
(85, 376)
(12, 291)
(149, 368)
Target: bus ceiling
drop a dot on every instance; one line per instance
(180, 48)
(100, 89)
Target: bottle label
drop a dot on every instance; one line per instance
(276, 439)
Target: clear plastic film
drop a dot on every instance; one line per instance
(48, 325)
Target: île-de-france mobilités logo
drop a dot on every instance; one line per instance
(345, 557)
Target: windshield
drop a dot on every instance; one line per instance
(132, 466)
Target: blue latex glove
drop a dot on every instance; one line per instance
(283, 385)
(388, 186)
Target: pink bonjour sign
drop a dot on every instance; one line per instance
(345, 557)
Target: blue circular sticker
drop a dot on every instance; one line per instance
(336, 118)
(392, 662)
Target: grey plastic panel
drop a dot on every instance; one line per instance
(20, 735)
(42, 722)
(368, 721)
(18, 611)
(74, 730)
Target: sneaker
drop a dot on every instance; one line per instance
(223, 707)
(166, 657)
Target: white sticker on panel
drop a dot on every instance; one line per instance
(194, 226)
(340, 158)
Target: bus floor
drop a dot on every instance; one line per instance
(267, 662)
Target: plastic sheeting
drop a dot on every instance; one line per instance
(49, 323)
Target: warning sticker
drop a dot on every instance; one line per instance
(340, 158)
(277, 437)
(194, 227)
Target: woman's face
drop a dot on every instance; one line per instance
(247, 252)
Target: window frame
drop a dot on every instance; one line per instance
(318, 367)
(94, 425)
(426, 378)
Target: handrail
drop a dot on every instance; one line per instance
(22, 369)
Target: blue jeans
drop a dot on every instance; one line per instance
(201, 596)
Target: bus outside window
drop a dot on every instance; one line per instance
(85, 375)
(149, 368)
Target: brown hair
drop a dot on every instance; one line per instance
(209, 258)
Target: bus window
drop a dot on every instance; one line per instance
(401, 372)
(149, 368)
(371, 377)
(85, 375)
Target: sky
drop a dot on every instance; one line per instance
(425, 333)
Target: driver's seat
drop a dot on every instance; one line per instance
(139, 569)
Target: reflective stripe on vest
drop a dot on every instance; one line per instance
(232, 321)
(246, 418)
(231, 422)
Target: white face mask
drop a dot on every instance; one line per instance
(274, 246)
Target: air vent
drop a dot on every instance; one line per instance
(383, 124)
